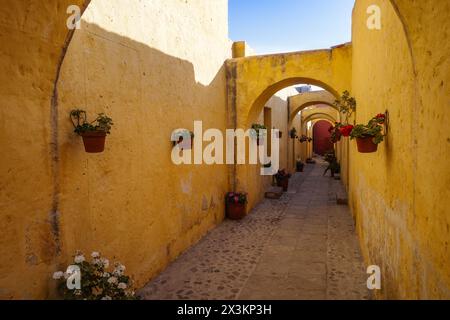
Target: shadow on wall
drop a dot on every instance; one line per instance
(131, 203)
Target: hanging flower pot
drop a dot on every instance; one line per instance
(184, 139)
(94, 142)
(93, 133)
(259, 132)
(236, 205)
(369, 136)
(366, 145)
(293, 133)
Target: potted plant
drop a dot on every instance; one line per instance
(259, 133)
(304, 138)
(280, 133)
(333, 165)
(236, 205)
(93, 133)
(369, 136)
(184, 139)
(97, 280)
(346, 106)
(300, 166)
(282, 178)
(293, 133)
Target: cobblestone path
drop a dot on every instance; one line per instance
(301, 247)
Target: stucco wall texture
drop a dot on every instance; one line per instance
(151, 80)
(155, 66)
(400, 195)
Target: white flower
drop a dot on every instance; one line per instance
(107, 298)
(95, 255)
(106, 275)
(58, 275)
(79, 259)
(122, 286)
(97, 262)
(119, 269)
(113, 280)
(105, 263)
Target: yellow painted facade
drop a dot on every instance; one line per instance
(400, 195)
(133, 204)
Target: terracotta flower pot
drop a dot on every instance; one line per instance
(284, 183)
(236, 211)
(94, 142)
(366, 145)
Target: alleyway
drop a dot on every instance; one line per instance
(300, 247)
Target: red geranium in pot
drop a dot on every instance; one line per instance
(369, 136)
(236, 205)
(93, 133)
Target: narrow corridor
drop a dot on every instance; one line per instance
(301, 247)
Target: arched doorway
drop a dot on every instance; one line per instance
(322, 137)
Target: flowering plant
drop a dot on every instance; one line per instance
(336, 133)
(97, 283)
(257, 129)
(102, 123)
(293, 133)
(304, 138)
(282, 174)
(237, 197)
(373, 129)
(346, 105)
(181, 136)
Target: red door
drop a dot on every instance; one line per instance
(322, 137)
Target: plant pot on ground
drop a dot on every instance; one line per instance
(333, 165)
(236, 205)
(300, 166)
(282, 178)
(93, 133)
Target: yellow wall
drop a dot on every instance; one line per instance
(131, 203)
(400, 195)
(32, 37)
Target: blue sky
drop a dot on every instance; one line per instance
(271, 26)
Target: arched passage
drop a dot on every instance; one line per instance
(304, 100)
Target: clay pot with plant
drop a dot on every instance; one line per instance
(282, 178)
(183, 139)
(300, 166)
(259, 131)
(369, 136)
(236, 205)
(93, 133)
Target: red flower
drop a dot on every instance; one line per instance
(346, 130)
(236, 199)
(381, 118)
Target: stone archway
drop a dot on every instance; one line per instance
(304, 100)
(253, 80)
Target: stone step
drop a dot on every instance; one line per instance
(274, 193)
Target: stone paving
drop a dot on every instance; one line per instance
(300, 247)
